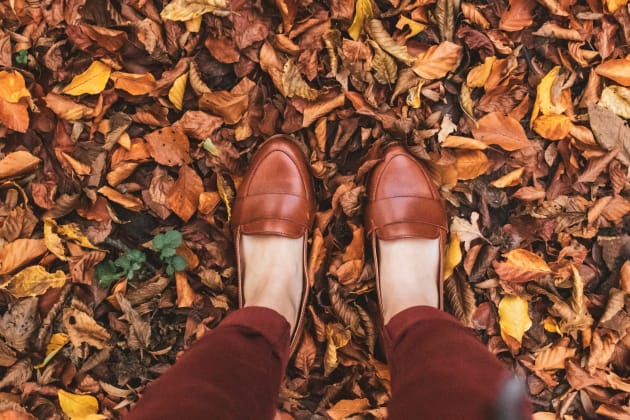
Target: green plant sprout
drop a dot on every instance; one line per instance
(134, 260)
(21, 57)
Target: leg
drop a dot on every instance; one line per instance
(234, 372)
(440, 370)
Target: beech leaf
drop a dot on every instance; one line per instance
(514, 319)
(521, 266)
(91, 81)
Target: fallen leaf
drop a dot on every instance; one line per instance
(466, 231)
(479, 74)
(616, 70)
(554, 357)
(553, 127)
(453, 255)
(521, 266)
(617, 100)
(363, 12)
(77, 406)
(544, 103)
(82, 328)
(510, 179)
(471, 13)
(134, 83)
(514, 318)
(66, 108)
(293, 83)
(183, 10)
(226, 193)
(377, 32)
(19, 253)
(12, 86)
(414, 27)
(230, 106)
(56, 343)
(384, 66)
(139, 329)
(610, 131)
(344, 409)
(438, 60)
(518, 16)
(15, 164)
(34, 281)
(92, 81)
(471, 164)
(176, 93)
(504, 131)
(169, 146)
(613, 5)
(183, 197)
(128, 201)
(459, 142)
(13, 110)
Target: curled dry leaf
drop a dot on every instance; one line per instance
(377, 32)
(19, 323)
(510, 179)
(294, 84)
(384, 66)
(466, 231)
(438, 60)
(363, 13)
(183, 10)
(13, 109)
(82, 328)
(479, 74)
(521, 266)
(139, 329)
(453, 255)
(128, 201)
(610, 131)
(176, 93)
(471, 13)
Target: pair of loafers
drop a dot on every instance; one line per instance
(276, 198)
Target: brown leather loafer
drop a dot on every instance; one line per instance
(403, 203)
(275, 198)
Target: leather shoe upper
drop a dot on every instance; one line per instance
(403, 202)
(276, 195)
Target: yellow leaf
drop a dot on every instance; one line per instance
(521, 266)
(363, 12)
(544, 103)
(453, 255)
(479, 74)
(56, 343)
(550, 325)
(12, 86)
(193, 24)
(226, 193)
(184, 10)
(34, 281)
(414, 27)
(69, 232)
(553, 127)
(510, 179)
(514, 317)
(176, 94)
(92, 81)
(132, 83)
(53, 240)
(337, 336)
(77, 406)
(613, 5)
(616, 99)
(413, 96)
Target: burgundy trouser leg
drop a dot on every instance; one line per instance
(233, 372)
(440, 370)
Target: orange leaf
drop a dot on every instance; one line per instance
(230, 106)
(521, 266)
(185, 294)
(345, 408)
(459, 142)
(14, 115)
(510, 179)
(132, 83)
(553, 127)
(502, 130)
(17, 163)
(471, 163)
(438, 60)
(169, 147)
(183, 197)
(518, 16)
(616, 70)
(19, 253)
(128, 201)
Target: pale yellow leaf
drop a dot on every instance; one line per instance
(176, 93)
(34, 281)
(77, 406)
(363, 12)
(617, 100)
(184, 10)
(92, 81)
(613, 5)
(514, 317)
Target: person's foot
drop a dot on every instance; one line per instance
(407, 221)
(272, 213)
(273, 277)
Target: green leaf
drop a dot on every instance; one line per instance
(136, 255)
(178, 263)
(170, 239)
(107, 273)
(167, 252)
(21, 57)
(123, 262)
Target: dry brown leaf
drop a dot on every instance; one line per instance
(555, 356)
(466, 231)
(459, 142)
(471, 13)
(504, 131)
(617, 100)
(521, 266)
(305, 355)
(176, 93)
(518, 16)
(183, 197)
(15, 164)
(384, 66)
(294, 84)
(552, 30)
(19, 323)
(230, 106)
(66, 108)
(82, 328)
(134, 83)
(140, 330)
(183, 10)
(616, 70)
(610, 131)
(377, 32)
(128, 201)
(185, 294)
(438, 60)
(20, 252)
(345, 408)
(169, 146)
(363, 13)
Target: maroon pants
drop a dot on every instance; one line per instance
(439, 370)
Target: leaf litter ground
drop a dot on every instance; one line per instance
(122, 121)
